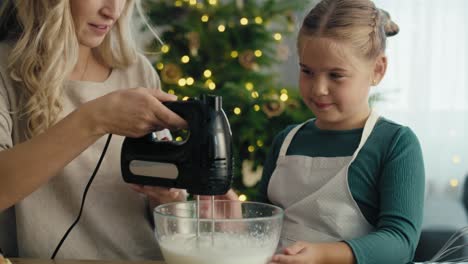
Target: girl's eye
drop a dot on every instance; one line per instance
(336, 76)
(306, 71)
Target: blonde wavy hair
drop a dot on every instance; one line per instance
(358, 22)
(46, 51)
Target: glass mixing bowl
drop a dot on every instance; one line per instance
(235, 232)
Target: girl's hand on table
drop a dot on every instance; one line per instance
(298, 253)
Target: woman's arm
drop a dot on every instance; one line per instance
(29, 165)
(133, 112)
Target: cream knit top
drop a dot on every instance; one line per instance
(114, 224)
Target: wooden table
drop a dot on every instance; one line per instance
(61, 261)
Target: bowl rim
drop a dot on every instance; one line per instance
(280, 213)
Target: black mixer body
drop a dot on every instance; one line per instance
(202, 164)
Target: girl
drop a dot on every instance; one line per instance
(69, 74)
(351, 182)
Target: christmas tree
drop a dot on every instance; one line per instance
(229, 48)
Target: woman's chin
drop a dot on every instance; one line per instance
(91, 42)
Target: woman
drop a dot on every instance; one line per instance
(69, 75)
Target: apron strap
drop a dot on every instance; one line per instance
(368, 127)
(289, 137)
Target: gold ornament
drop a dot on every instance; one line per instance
(250, 177)
(274, 107)
(248, 60)
(171, 73)
(194, 42)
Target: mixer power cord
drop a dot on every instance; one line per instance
(83, 198)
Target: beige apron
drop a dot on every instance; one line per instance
(315, 195)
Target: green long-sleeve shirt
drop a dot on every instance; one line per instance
(386, 179)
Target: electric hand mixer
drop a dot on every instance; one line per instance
(202, 164)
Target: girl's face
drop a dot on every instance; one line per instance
(335, 83)
(94, 19)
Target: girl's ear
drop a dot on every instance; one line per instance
(380, 68)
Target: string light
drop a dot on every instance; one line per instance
(237, 111)
(185, 59)
(256, 108)
(193, 2)
(277, 36)
(207, 73)
(213, 2)
(185, 98)
(179, 139)
(258, 53)
(221, 28)
(254, 95)
(234, 54)
(171, 91)
(182, 82)
(242, 198)
(454, 183)
(211, 85)
(251, 149)
(178, 3)
(258, 20)
(160, 66)
(249, 86)
(244, 21)
(190, 81)
(205, 18)
(259, 143)
(284, 97)
(165, 48)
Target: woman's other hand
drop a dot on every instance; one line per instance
(160, 195)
